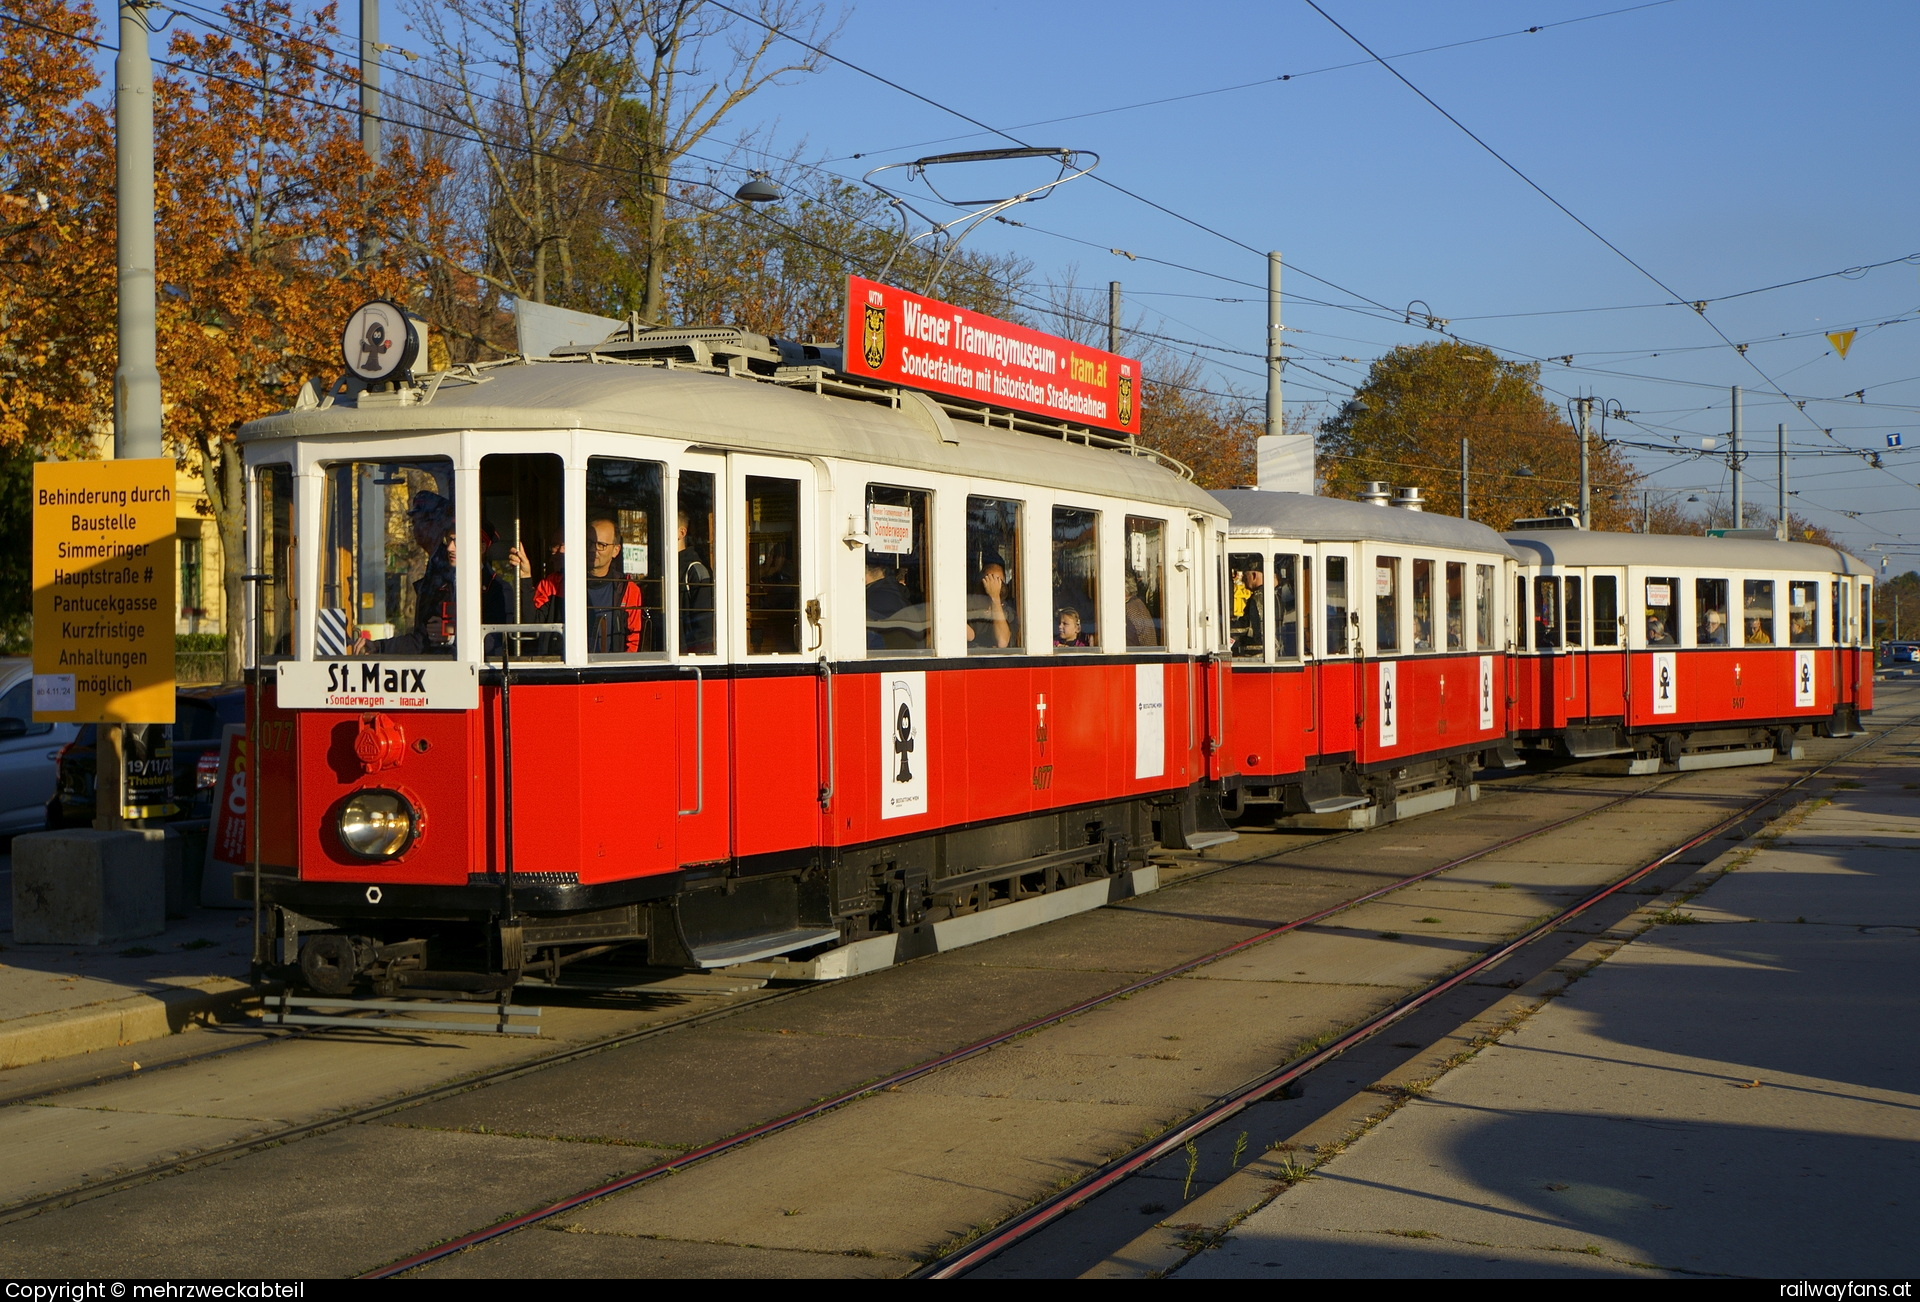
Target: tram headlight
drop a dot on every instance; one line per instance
(377, 824)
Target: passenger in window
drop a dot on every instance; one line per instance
(885, 599)
(1142, 628)
(696, 596)
(1250, 620)
(1757, 633)
(1068, 631)
(1713, 627)
(993, 619)
(1657, 634)
(616, 613)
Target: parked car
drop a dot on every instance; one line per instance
(29, 751)
(1900, 653)
(200, 716)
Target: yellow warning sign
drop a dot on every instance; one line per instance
(1841, 341)
(103, 556)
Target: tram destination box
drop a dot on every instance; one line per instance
(367, 683)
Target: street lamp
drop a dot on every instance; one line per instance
(759, 189)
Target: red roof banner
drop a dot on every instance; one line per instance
(921, 343)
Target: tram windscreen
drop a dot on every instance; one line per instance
(387, 560)
(1076, 578)
(273, 504)
(993, 575)
(1247, 628)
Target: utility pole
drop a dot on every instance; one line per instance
(1586, 487)
(1463, 481)
(1646, 510)
(136, 380)
(1733, 456)
(370, 104)
(1780, 528)
(1276, 423)
(1113, 316)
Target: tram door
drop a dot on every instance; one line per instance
(771, 590)
(699, 628)
(1606, 658)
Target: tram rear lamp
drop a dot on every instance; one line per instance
(377, 824)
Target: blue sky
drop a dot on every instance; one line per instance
(1723, 146)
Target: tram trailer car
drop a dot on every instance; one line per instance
(1370, 675)
(1698, 652)
(748, 661)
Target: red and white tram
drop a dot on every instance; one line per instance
(1369, 656)
(1698, 652)
(749, 660)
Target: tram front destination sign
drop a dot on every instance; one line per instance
(921, 343)
(103, 596)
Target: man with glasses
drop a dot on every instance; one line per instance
(616, 612)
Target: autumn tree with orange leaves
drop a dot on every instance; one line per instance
(264, 200)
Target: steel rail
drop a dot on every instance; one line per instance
(1025, 1224)
(837, 1101)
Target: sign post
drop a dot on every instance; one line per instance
(103, 594)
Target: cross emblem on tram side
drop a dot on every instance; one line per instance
(1666, 682)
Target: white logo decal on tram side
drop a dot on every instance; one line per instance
(903, 750)
(1486, 693)
(1389, 704)
(1149, 720)
(1666, 683)
(1803, 680)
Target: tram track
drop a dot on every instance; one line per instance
(1112, 1173)
(894, 1081)
(278, 1136)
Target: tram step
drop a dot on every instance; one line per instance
(753, 948)
(1724, 759)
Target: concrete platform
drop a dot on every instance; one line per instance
(57, 1001)
(1734, 1093)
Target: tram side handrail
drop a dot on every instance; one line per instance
(699, 740)
(826, 790)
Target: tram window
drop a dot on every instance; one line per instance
(1838, 605)
(1423, 605)
(523, 545)
(993, 576)
(1076, 577)
(387, 560)
(1520, 612)
(1757, 612)
(1386, 603)
(1710, 612)
(1866, 615)
(899, 603)
(1456, 606)
(1336, 585)
(1146, 584)
(273, 491)
(1483, 606)
(1803, 614)
(1306, 605)
(1247, 572)
(1287, 599)
(1606, 610)
(773, 565)
(626, 603)
(1662, 612)
(693, 562)
(1570, 612)
(1546, 614)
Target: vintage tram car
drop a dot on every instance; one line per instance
(1693, 651)
(685, 642)
(1369, 674)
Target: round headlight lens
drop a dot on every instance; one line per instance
(377, 824)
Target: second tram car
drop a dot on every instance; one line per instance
(1369, 656)
(1697, 652)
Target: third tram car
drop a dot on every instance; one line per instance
(1697, 652)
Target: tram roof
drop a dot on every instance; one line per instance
(1261, 513)
(1686, 551)
(746, 415)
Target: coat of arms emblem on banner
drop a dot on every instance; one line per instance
(874, 338)
(1126, 397)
